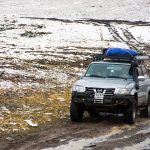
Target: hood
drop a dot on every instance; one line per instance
(105, 82)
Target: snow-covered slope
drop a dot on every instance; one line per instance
(73, 9)
(40, 52)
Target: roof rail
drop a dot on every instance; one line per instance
(142, 58)
(100, 57)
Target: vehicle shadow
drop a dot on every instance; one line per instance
(104, 117)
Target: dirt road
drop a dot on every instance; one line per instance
(105, 133)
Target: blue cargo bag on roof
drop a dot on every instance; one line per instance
(120, 52)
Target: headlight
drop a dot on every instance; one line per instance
(78, 88)
(122, 91)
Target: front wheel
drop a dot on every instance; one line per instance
(131, 113)
(76, 112)
(144, 112)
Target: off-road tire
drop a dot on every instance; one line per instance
(144, 112)
(76, 112)
(131, 113)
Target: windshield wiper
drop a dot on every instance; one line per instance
(116, 77)
(95, 76)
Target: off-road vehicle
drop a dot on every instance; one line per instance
(112, 84)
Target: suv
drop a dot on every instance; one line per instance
(119, 85)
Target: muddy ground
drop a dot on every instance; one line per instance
(103, 133)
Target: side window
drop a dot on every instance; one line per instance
(140, 73)
(144, 71)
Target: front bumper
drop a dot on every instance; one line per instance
(109, 100)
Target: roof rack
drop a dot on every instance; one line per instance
(142, 58)
(100, 57)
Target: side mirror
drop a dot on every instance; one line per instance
(134, 64)
(141, 78)
(136, 86)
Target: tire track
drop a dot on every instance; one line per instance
(129, 137)
(113, 31)
(96, 134)
(95, 21)
(131, 41)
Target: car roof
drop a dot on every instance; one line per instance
(112, 62)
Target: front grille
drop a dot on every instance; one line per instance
(105, 91)
(109, 91)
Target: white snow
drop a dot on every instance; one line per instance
(68, 42)
(144, 131)
(72, 145)
(4, 109)
(30, 123)
(141, 33)
(72, 9)
(6, 84)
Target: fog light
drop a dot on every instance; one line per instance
(83, 99)
(117, 101)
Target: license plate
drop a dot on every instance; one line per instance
(99, 96)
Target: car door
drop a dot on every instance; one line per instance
(147, 80)
(142, 87)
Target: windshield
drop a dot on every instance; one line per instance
(109, 70)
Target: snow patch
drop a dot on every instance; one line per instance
(72, 145)
(144, 131)
(30, 123)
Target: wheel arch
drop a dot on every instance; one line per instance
(134, 93)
